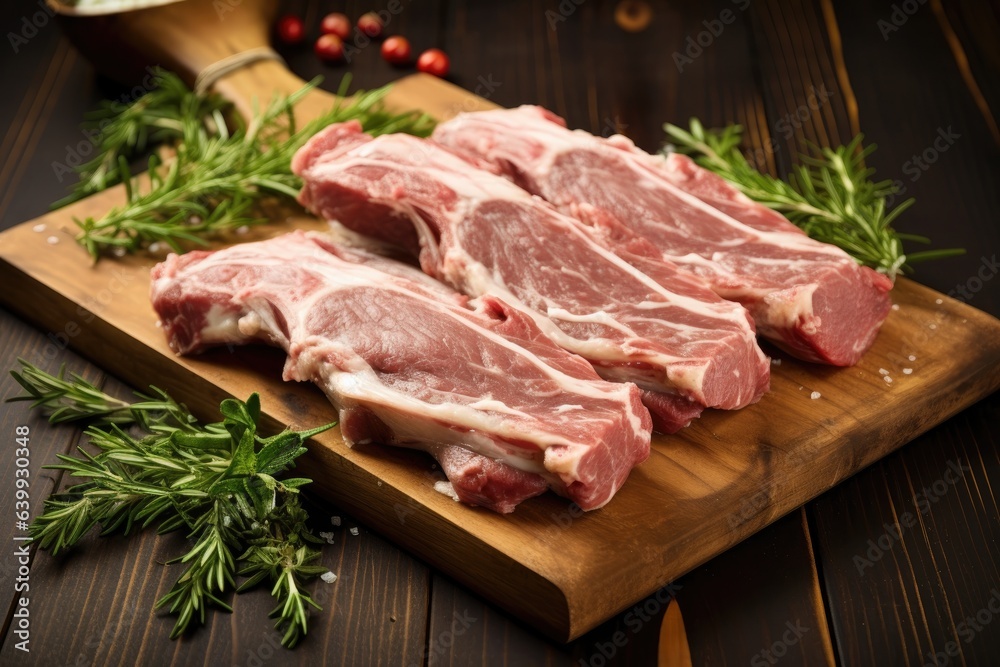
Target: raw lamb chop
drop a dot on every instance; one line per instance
(808, 297)
(407, 361)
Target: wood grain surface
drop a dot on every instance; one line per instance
(718, 481)
(906, 87)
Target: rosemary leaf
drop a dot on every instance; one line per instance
(219, 481)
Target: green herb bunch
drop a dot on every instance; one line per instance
(219, 482)
(215, 178)
(830, 195)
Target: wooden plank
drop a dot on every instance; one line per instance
(886, 617)
(912, 109)
(732, 614)
(710, 496)
(908, 549)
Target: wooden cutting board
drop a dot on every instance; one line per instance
(703, 490)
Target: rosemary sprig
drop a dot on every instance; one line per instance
(219, 481)
(217, 177)
(830, 195)
(76, 399)
(120, 130)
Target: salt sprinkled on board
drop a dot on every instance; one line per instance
(815, 395)
(939, 301)
(335, 520)
(775, 362)
(888, 380)
(446, 488)
(912, 357)
(932, 326)
(40, 227)
(907, 371)
(882, 371)
(154, 247)
(119, 251)
(328, 577)
(355, 531)
(52, 240)
(895, 306)
(380, 482)
(242, 230)
(327, 536)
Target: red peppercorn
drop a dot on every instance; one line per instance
(329, 48)
(290, 29)
(396, 50)
(336, 24)
(370, 24)
(433, 61)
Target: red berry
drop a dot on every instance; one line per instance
(329, 48)
(433, 61)
(370, 24)
(336, 24)
(290, 29)
(396, 50)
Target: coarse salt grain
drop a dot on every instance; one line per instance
(118, 251)
(815, 395)
(380, 482)
(354, 531)
(882, 371)
(52, 240)
(335, 520)
(327, 536)
(938, 301)
(888, 380)
(242, 230)
(775, 362)
(912, 357)
(154, 247)
(40, 227)
(895, 306)
(932, 326)
(907, 371)
(328, 577)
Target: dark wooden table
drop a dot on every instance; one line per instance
(896, 566)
